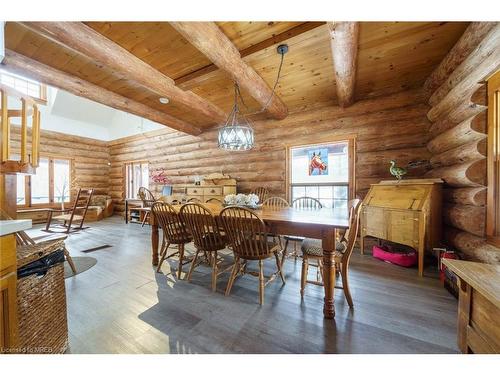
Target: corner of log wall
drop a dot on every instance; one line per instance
(458, 145)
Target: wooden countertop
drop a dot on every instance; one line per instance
(12, 226)
(485, 278)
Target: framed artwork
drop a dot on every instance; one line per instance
(318, 161)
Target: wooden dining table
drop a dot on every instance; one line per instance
(313, 223)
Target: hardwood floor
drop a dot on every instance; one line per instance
(122, 305)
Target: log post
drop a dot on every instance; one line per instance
(472, 247)
(344, 44)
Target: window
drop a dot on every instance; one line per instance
(493, 206)
(26, 86)
(322, 171)
(51, 183)
(136, 175)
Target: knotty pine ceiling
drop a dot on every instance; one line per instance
(392, 57)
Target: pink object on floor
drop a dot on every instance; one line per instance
(400, 259)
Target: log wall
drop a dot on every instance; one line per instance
(90, 157)
(458, 143)
(392, 127)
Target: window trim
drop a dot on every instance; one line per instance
(493, 169)
(42, 99)
(125, 182)
(51, 204)
(351, 147)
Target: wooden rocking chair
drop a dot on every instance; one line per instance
(75, 214)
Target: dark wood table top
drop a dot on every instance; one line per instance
(324, 217)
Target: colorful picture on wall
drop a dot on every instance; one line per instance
(318, 161)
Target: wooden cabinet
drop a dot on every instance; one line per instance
(406, 212)
(478, 306)
(206, 192)
(8, 297)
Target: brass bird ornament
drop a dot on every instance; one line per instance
(396, 171)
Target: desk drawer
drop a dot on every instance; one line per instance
(194, 191)
(213, 190)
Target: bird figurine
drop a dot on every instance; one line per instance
(397, 172)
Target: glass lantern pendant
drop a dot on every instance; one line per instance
(237, 133)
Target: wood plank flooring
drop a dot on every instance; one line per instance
(122, 305)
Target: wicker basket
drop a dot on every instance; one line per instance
(41, 303)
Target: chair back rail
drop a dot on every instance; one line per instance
(351, 234)
(275, 203)
(214, 200)
(261, 192)
(146, 196)
(203, 226)
(247, 233)
(174, 229)
(82, 202)
(306, 203)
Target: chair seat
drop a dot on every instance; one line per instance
(217, 241)
(313, 247)
(294, 238)
(254, 243)
(67, 217)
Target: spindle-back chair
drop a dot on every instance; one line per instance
(174, 233)
(207, 237)
(75, 214)
(249, 240)
(262, 193)
(148, 199)
(312, 249)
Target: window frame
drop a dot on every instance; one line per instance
(493, 169)
(351, 152)
(51, 204)
(42, 88)
(125, 179)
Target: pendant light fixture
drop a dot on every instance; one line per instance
(237, 133)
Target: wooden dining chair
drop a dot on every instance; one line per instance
(207, 238)
(262, 193)
(276, 203)
(194, 200)
(214, 200)
(250, 242)
(312, 250)
(75, 214)
(174, 233)
(148, 199)
(302, 203)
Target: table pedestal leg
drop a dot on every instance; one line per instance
(154, 241)
(329, 273)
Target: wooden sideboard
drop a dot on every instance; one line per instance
(478, 306)
(206, 192)
(407, 212)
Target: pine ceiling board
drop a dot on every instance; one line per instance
(246, 34)
(156, 43)
(394, 56)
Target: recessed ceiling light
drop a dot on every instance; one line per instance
(164, 100)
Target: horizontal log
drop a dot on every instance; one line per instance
(466, 196)
(472, 151)
(469, 40)
(472, 247)
(470, 130)
(476, 61)
(471, 174)
(470, 219)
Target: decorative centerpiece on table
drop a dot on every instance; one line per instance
(160, 177)
(242, 200)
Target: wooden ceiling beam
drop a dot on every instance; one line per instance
(344, 42)
(22, 65)
(275, 39)
(83, 39)
(214, 44)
